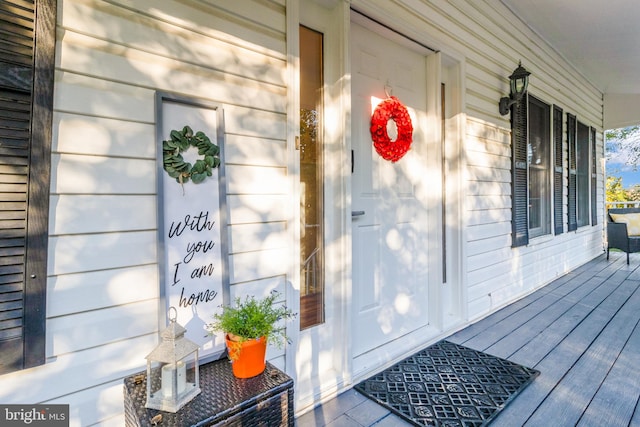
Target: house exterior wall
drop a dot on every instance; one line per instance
(111, 58)
(103, 287)
(492, 41)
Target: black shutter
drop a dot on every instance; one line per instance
(558, 186)
(594, 179)
(519, 180)
(572, 218)
(26, 101)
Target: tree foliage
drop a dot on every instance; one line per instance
(633, 193)
(622, 149)
(623, 146)
(615, 191)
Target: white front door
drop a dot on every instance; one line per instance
(395, 206)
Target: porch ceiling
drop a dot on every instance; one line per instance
(601, 38)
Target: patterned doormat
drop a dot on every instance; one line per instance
(449, 385)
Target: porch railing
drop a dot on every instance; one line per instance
(619, 205)
(310, 272)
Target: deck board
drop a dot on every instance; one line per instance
(582, 332)
(525, 325)
(555, 365)
(580, 384)
(582, 336)
(616, 399)
(556, 289)
(635, 421)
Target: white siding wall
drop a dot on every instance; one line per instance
(492, 41)
(103, 285)
(111, 58)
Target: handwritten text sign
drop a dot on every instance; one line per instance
(191, 228)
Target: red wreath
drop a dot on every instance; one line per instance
(391, 108)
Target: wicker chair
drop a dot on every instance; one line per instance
(617, 236)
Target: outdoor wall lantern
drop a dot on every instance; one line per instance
(518, 82)
(172, 369)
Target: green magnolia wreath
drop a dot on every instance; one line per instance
(181, 170)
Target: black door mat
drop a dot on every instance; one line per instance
(449, 385)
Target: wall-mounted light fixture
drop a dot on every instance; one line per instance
(518, 81)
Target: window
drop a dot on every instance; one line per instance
(538, 184)
(583, 174)
(538, 152)
(311, 180)
(26, 104)
(531, 170)
(581, 185)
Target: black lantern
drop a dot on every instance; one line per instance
(518, 82)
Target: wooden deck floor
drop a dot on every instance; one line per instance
(582, 332)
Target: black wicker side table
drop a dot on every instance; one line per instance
(265, 400)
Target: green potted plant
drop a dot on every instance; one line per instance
(249, 325)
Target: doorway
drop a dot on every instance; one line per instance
(396, 207)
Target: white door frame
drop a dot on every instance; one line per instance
(320, 364)
(333, 18)
(443, 319)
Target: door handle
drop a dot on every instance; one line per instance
(356, 213)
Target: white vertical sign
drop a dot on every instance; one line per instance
(192, 227)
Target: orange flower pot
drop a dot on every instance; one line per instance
(248, 357)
